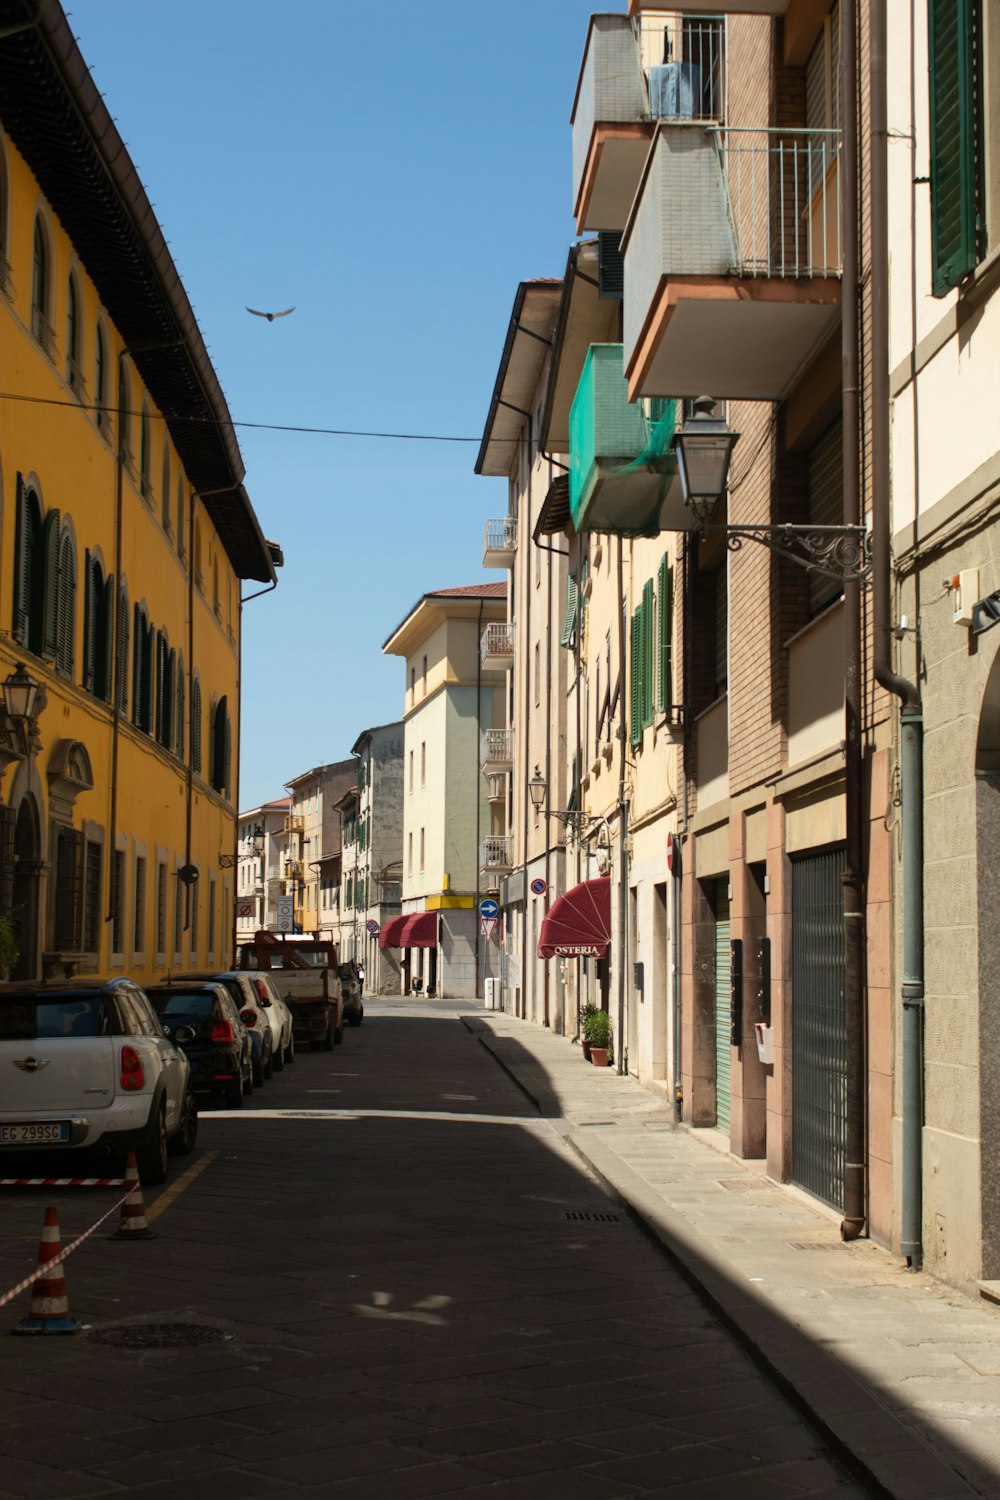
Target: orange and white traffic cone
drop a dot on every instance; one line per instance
(49, 1304)
(132, 1224)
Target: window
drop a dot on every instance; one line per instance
(181, 522)
(166, 671)
(68, 903)
(958, 215)
(101, 379)
(98, 625)
(124, 418)
(641, 666)
(74, 376)
(411, 770)
(422, 849)
(122, 648)
(423, 763)
(221, 747)
(142, 671)
(409, 854)
(423, 684)
(720, 629)
(139, 924)
(413, 683)
(41, 289)
(538, 674)
(826, 506)
(198, 560)
(179, 690)
(211, 915)
(193, 928)
(93, 912)
(165, 492)
(145, 454)
(196, 726)
(29, 574)
(178, 913)
(117, 901)
(161, 908)
(66, 603)
(664, 634)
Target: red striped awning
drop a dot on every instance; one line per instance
(578, 924)
(419, 930)
(389, 936)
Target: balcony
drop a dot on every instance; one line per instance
(636, 70)
(623, 472)
(495, 853)
(496, 646)
(500, 543)
(497, 792)
(294, 823)
(732, 261)
(643, 8)
(496, 751)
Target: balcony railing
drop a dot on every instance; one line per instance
(496, 646)
(496, 750)
(495, 852)
(682, 58)
(497, 789)
(43, 331)
(783, 195)
(500, 542)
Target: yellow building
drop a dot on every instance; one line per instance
(124, 534)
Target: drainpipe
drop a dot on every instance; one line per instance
(479, 780)
(548, 767)
(678, 870)
(117, 665)
(855, 1162)
(622, 817)
(911, 747)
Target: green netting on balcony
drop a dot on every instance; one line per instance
(610, 437)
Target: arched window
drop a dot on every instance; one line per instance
(196, 726)
(101, 380)
(165, 490)
(41, 293)
(66, 602)
(166, 662)
(145, 454)
(216, 600)
(122, 646)
(181, 521)
(179, 691)
(221, 747)
(142, 670)
(74, 375)
(197, 560)
(51, 538)
(98, 620)
(124, 419)
(29, 569)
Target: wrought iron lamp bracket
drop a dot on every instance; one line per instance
(839, 552)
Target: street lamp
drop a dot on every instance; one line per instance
(576, 821)
(19, 694)
(704, 446)
(252, 844)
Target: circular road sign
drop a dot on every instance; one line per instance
(489, 907)
(372, 927)
(538, 886)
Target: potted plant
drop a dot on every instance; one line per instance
(588, 1010)
(598, 1033)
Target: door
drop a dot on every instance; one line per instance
(722, 1005)
(819, 1072)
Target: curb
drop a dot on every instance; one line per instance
(882, 1452)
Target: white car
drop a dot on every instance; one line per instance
(279, 1017)
(88, 1064)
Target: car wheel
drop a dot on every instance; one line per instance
(234, 1093)
(187, 1132)
(277, 1060)
(257, 1075)
(268, 1067)
(328, 1040)
(151, 1158)
(290, 1050)
(338, 1035)
(356, 1016)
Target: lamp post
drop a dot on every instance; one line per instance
(19, 694)
(575, 819)
(704, 446)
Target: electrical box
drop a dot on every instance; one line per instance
(639, 976)
(964, 594)
(763, 979)
(736, 992)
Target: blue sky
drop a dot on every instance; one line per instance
(393, 171)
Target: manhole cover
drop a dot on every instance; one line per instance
(590, 1216)
(158, 1335)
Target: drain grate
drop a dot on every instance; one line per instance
(158, 1335)
(591, 1216)
(810, 1245)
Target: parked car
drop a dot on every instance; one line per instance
(278, 1014)
(351, 988)
(87, 1064)
(204, 1018)
(253, 1015)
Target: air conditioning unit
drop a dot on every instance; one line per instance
(494, 994)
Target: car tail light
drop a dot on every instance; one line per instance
(133, 1076)
(261, 989)
(222, 1031)
(248, 1017)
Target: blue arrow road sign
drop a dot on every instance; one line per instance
(489, 908)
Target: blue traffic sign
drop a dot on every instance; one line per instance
(489, 907)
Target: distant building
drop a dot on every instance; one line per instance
(312, 833)
(378, 874)
(258, 876)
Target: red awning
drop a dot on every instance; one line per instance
(419, 930)
(578, 924)
(389, 936)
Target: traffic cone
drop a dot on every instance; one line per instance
(49, 1304)
(132, 1224)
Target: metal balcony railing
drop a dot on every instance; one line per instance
(783, 195)
(497, 642)
(495, 852)
(683, 63)
(496, 748)
(43, 331)
(500, 536)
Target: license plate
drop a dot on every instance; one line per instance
(34, 1135)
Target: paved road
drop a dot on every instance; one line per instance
(421, 1293)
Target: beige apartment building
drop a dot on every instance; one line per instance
(259, 879)
(311, 832)
(455, 645)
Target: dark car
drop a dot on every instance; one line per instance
(214, 1039)
(244, 996)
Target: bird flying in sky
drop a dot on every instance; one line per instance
(270, 316)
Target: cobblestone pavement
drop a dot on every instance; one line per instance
(417, 1288)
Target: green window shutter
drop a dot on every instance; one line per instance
(635, 693)
(66, 605)
(50, 592)
(647, 653)
(106, 641)
(179, 708)
(196, 726)
(123, 648)
(568, 637)
(954, 45)
(93, 596)
(227, 761)
(664, 641)
(26, 553)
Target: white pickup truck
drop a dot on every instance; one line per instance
(88, 1065)
(307, 976)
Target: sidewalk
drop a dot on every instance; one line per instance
(898, 1370)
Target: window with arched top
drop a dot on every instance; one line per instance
(180, 688)
(124, 418)
(29, 569)
(74, 370)
(181, 519)
(122, 648)
(145, 454)
(165, 492)
(196, 726)
(101, 414)
(41, 287)
(98, 628)
(166, 666)
(198, 560)
(142, 670)
(221, 747)
(65, 601)
(216, 600)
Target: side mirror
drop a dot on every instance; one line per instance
(182, 1035)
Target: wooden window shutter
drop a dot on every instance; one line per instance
(227, 758)
(955, 57)
(140, 635)
(92, 599)
(179, 708)
(196, 726)
(664, 635)
(647, 653)
(568, 637)
(122, 664)
(50, 590)
(68, 905)
(635, 695)
(160, 685)
(66, 605)
(8, 856)
(23, 560)
(106, 639)
(147, 686)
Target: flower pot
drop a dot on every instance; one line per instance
(585, 1046)
(599, 1056)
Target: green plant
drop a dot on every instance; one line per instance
(9, 950)
(597, 1028)
(586, 1011)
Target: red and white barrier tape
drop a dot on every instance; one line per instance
(62, 1182)
(41, 1271)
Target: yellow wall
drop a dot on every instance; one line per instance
(62, 450)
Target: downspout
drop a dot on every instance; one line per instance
(911, 747)
(189, 779)
(622, 816)
(526, 659)
(479, 781)
(548, 766)
(855, 1061)
(678, 870)
(117, 654)
(583, 555)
